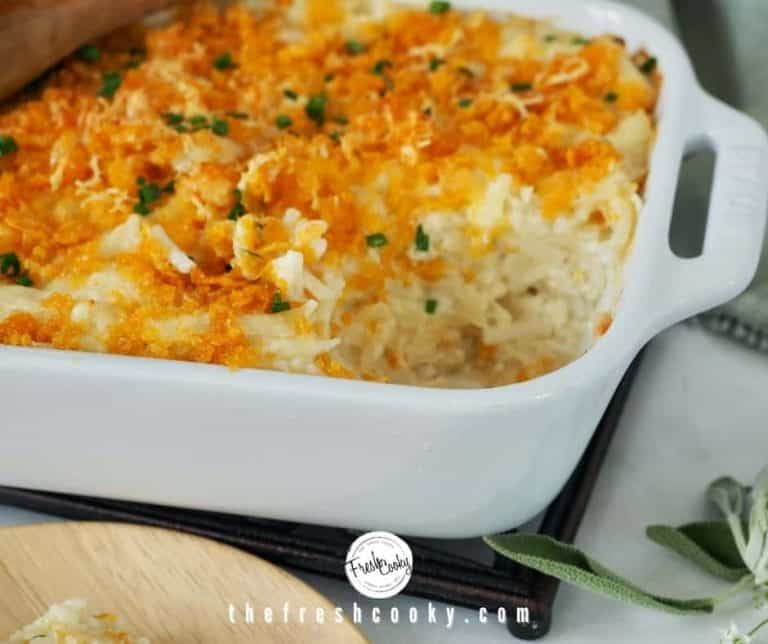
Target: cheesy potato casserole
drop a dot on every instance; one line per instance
(414, 195)
(71, 623)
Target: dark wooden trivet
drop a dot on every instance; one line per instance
(322, 550)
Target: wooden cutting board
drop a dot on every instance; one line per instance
(165, 585)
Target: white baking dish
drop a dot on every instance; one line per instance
(420, 461)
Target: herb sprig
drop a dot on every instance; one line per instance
(734, 550)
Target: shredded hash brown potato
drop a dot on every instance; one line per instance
(410, 195)
(71, 623)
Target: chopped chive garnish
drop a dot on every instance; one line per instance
(238, 210)
(521, 87)
(341, 119)
(611, 97)
(8, 145)
(354, 47)
(336, 135)
(289, 93)
(223, 61)
(149, 193)
(435, 64)
(173, 118)
(328, 77)
(24, 280)
(648, 66)
(467, 72)
(278, 305)
(110, 83)
(376, 240)
(465, 103)
(550, 38)
(88, 53)
(430, 306)
(219, 127)
(242, 116)
(578, 40)
(380, 66)
(10, 266)
(315, 108)
(438, 7)
(421, 240)
(283, 121)
(198, 120)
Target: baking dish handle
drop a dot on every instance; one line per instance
(738, 209)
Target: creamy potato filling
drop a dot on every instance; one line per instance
(414, 195)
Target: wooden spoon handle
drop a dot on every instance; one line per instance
(34, 34)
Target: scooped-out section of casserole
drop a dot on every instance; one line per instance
(70, 622)
(413, 195)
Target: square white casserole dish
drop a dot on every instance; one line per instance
(443, 463)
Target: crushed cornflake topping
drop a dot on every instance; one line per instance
(321, 150)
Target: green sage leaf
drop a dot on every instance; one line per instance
(569, 564)
(709, 545)
(728, 495)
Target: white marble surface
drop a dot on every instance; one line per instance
(698, 410)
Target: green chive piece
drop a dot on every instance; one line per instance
(278, 305)
(376, 240)
(8, 145)
(198, 121)
(336, 135)
(430, 306)
(315, 108)
(25, 280)
(289, 93)
(421, 240)
(380, 66)
(648, 66)
(435, 64)
(141, 208)
(521, 87)
(220, 127)
(578, 40)
(465, 103)
(110, 83)
(283, 121)
(611, 97)
(354, 47)
(10, 266)
(223, 61)
(550, 38)
(328, 77)
(88, 53)
(173, 118)
(238, 210)
(149, 192)
(437, 7)
(341, 119)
